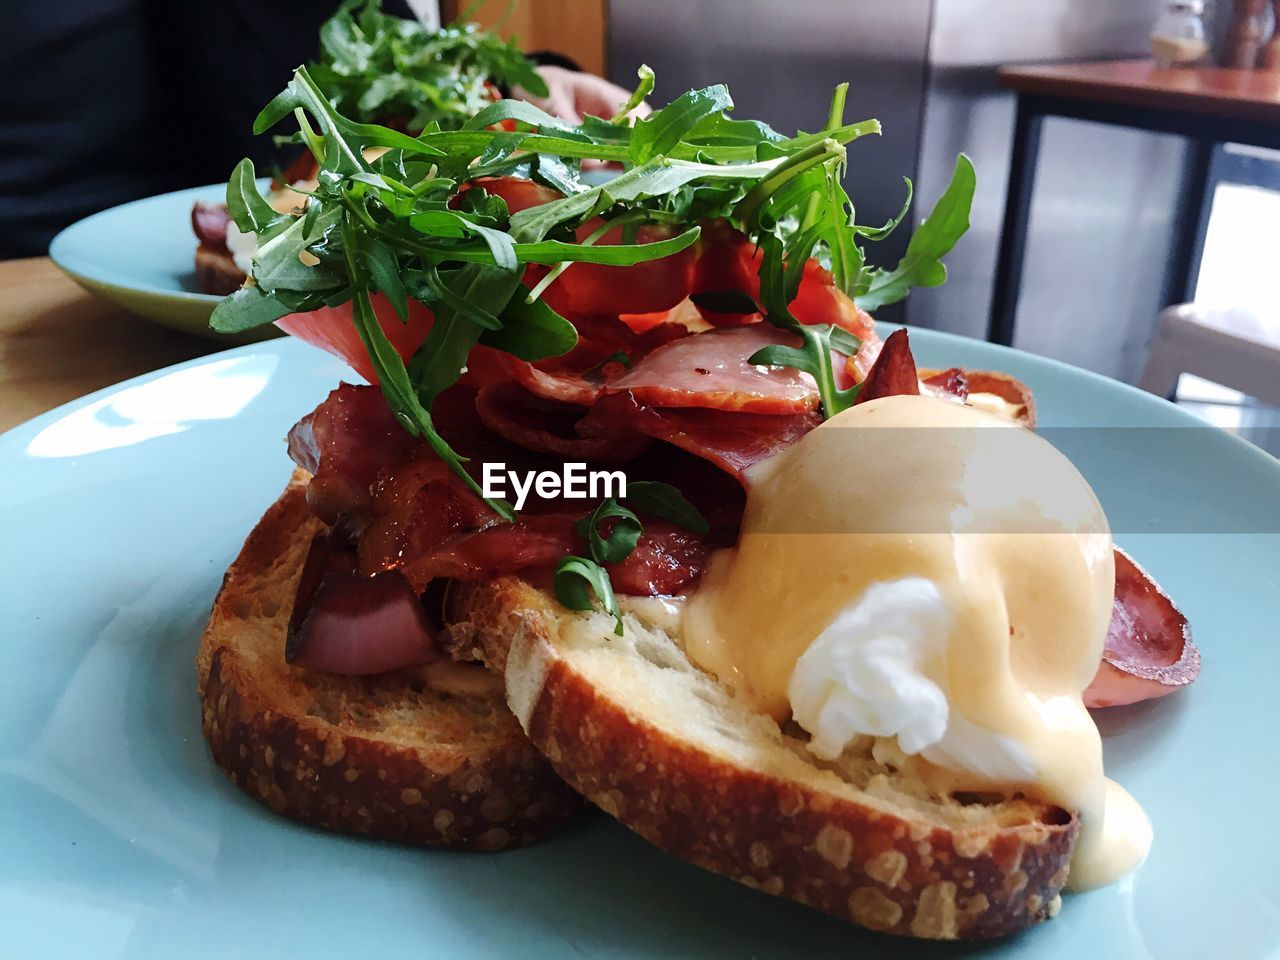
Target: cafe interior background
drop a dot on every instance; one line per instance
(1117, 216)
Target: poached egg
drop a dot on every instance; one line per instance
(932, 576)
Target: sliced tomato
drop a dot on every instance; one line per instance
(332, 329)
(654, 286)
(520, 194)
(730, 263)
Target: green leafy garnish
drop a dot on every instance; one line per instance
(380, 68)
(402, 216)
(577, 579)
(666, 502)
(621, 539)
(921, 265)
(575, 576)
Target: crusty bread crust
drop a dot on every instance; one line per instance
(813, 838)
(216, 271)
(393, 757)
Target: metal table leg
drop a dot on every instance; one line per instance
(1017, 212)
(1195, 201)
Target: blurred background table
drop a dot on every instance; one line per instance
(1208, 105)
(58, 342)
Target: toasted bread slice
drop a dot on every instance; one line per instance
(430, 756)
(661, 746)
(216, 271)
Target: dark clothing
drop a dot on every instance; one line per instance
(103, 101)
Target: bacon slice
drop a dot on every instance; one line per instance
(711, 369)
(950, 384)
(209, 221)
(894, 372)
(1149, 651)
(345, 443)
(547, 426)
(603, 352)
(415, 516)
(731, 441)
(665, 562)
(427, 525)
(1012, 391)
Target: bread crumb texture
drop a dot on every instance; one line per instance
(665, 749)
(389, 756)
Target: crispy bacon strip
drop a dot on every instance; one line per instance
(894, 372)
(546, 426)
(953, 383)
(1149, 651)
(345, 443)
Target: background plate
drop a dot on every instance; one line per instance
(119, 838)
(141, 256)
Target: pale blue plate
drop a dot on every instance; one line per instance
(119, 838)
(141, 256)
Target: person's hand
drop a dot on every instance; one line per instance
(572, 96)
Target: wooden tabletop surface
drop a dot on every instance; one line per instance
(59, 342)
(1252, 95)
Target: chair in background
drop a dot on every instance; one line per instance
(1231, 346)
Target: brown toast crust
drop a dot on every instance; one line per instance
(890, 870)
(393, 757)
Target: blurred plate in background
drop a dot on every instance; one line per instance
(141, 256)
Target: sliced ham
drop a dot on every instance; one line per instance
(209, 221)
(731, 441)
(606, 349)
(1149, 651)
(711, 369)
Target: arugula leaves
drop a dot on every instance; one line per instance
(578, 579)
(381, 68)
(811, 215)
(921, 265)
(401, 216)
(667, 503)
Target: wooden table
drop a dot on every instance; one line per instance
(58, 342)
(1209, 106)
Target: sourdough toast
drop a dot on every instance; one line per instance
(661, 746)
(427, 756)
(216, 271)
